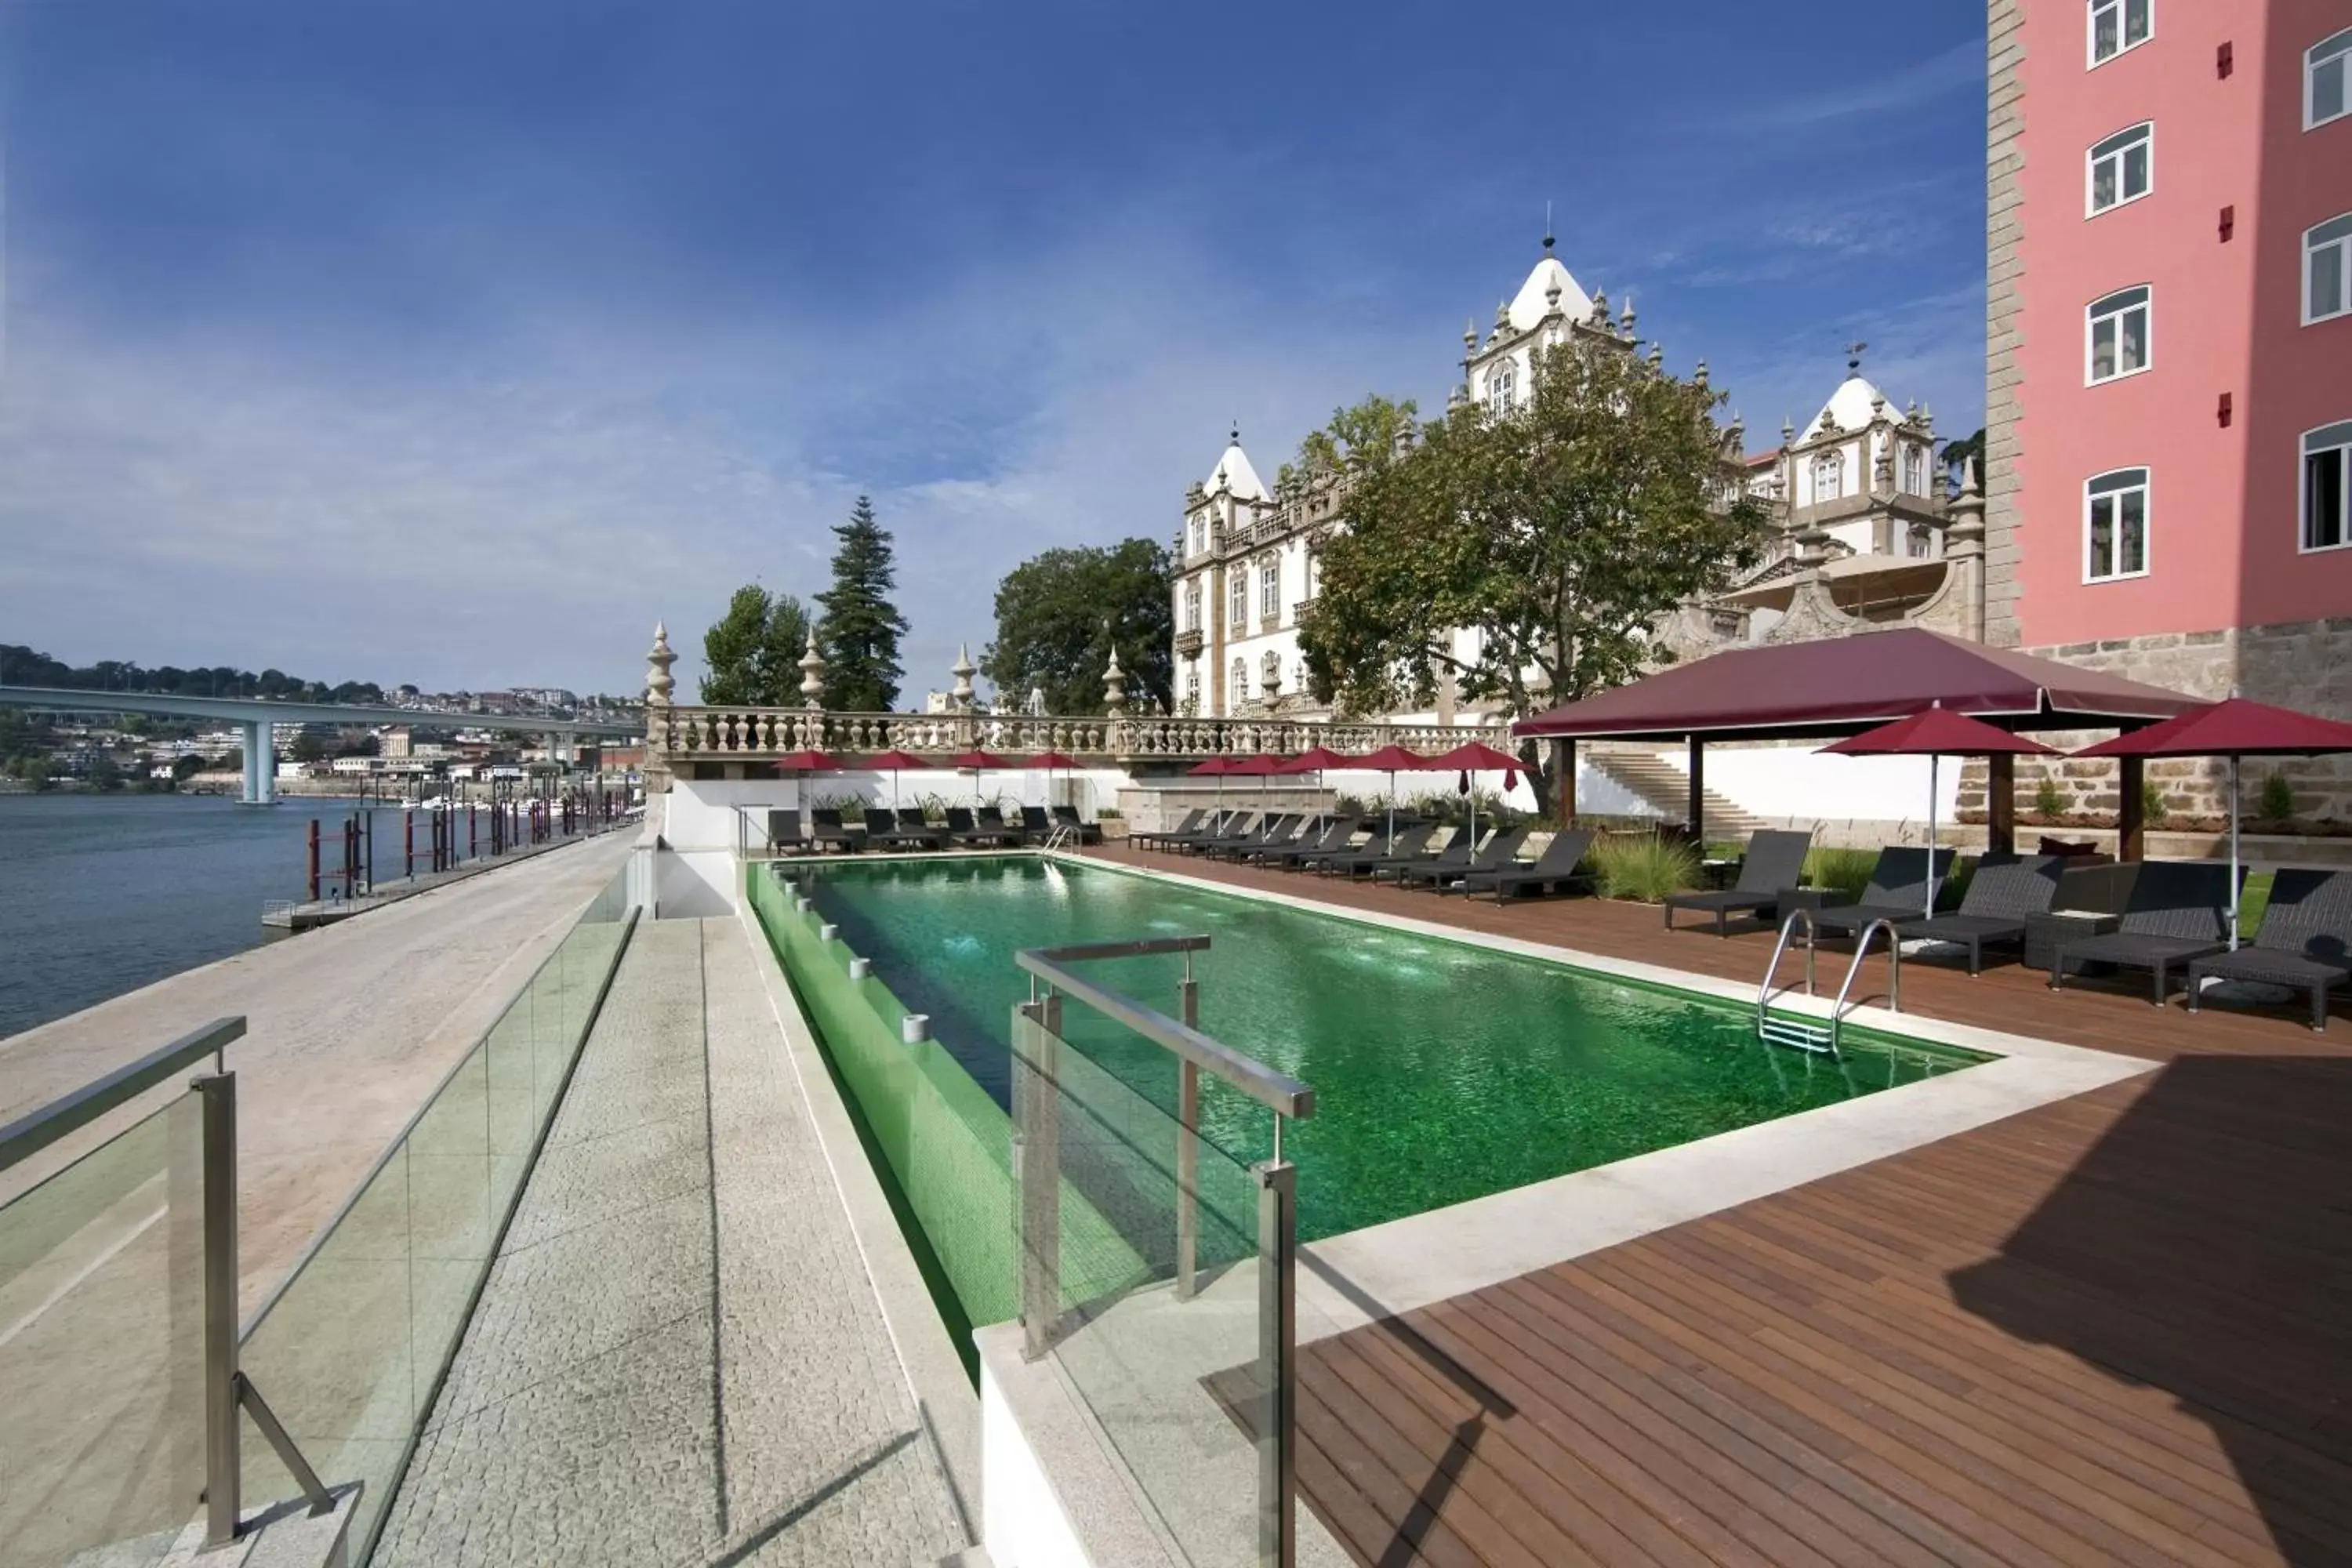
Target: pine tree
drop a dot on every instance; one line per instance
(859, 634)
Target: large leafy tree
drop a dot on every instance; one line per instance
(1059, 615)
(1553, 535)
(860, 634)
(754, 651)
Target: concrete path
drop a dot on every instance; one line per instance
(349, 1029)
(678, 1357)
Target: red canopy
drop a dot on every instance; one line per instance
(1049, 759)
(894, 761)
(1937, 733)
(1264, 766)
(1215, 767)
(977, 759)
(808, 763)
(1476, 756)
(1842, 685)
(2235, 728)
(1393, 760)
(1315, 759)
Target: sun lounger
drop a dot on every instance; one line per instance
(968, 832)
(1550, 872)
(1296, 854)
(1774, 864)
(2305, 943)
(825, 827)
(1270, 832)
(1086, 832)
(1220, 826)
(2176, 911)
(1191, 823)
(1377, 849)
(883, 831)
(1897, 892)
(1305, 833)
(1492, 856)
(784, 832)
(994, 830)
(2004, 890)
(1035, 825)
(1450, 861)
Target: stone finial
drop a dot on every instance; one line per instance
(1926, 419)
(1787, 431)
(1812, 546)
(812, 675)
(960, 695)
(1470, 336)
(1600, 307)
(1625, 317)
(1657, 355)
(658, 658)
(1699, 375)
(1114, 687)
(1878, 405)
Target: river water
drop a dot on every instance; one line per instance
(101, 894)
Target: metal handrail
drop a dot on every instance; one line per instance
(1280, 1093)
(30, 1134)
(1893, 971)
(1773, 969)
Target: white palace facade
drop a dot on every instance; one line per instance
(1860, 521)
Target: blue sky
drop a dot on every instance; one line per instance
(460, 343)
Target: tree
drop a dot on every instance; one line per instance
(1957, 454)
(860, 634)
(1556, 534)
(309, 747)
(1059, 615)
(754, 651)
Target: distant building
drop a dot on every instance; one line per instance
(395, 741)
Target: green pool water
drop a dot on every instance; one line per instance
(1443, 1071)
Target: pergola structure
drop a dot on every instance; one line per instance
(1828, 689)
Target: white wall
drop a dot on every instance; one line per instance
(694, 886)
(1782, 783)
(701, 812)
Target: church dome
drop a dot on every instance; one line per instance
(1533, 302)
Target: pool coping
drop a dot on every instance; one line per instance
(1361, 1275)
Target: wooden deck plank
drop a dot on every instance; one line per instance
(2114, 1330)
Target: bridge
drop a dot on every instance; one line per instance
(256, 715)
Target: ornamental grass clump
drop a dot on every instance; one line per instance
(1843, 870)
(1643, 867)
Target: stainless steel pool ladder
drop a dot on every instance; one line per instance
(1802, 1034)
(1060, 838)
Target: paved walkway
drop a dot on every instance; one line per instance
(348, 1031)
(679, 1358)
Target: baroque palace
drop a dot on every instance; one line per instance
(1864, 535)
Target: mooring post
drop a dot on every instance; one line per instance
(408, 845)
(314, 860)
(473, 837)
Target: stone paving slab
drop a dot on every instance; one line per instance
(678, 1357)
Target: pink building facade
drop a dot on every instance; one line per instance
(2169, 341)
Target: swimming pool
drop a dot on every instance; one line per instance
(1444, 1071)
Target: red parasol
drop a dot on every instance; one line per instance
(1392, 761)
(892, 762)
(2233, 729)
(977, 762)
(1050, 762)
(1474, 757)
(1935, 732)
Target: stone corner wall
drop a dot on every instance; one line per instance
(2004, 314)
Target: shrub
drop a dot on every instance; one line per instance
(1350, 806)
(2277, 801)
(1643, 867)
(2046, 798)
(1845, 871)
(2152, 808)
(1109, 813)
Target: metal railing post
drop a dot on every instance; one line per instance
(222, 1477)
(1277, 1305)
(1188, 1142)
(1037, 1157)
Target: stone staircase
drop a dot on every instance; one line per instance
(1645, 772)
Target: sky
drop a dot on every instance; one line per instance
(460, 343)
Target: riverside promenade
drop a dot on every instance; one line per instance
(348, 1031)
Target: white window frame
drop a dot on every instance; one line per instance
(1269, 589)
(1240, 676)
(2337, 438)
(1914, 471)
(1830, 462)
(1192, 605)
(2092, 58)
(2121, 305)
(2337, 238)
(2099, 486)
(1238, 601)
(1501, 387)
(2337, 51)
(2117, 148)
(1200, 534)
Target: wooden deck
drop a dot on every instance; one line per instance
(2117, 1329)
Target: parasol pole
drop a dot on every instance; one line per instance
(1932, 759)
(2234, 893)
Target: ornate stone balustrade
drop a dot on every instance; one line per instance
(685, 734)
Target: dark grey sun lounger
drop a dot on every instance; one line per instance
(825, 827)
(883, 831)
(2176, 911)
(1775, 862)
(1450, 861)
(1271, 833)
(1086, 832)
(1194, 820)
(1553, 869)
(2305, 943)
(2005, 890)
(1379, 849)
(784, 832)
(1234, 829)
(1897, 892)
(1332, 840)
(1498, 852)
(1265, 828)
